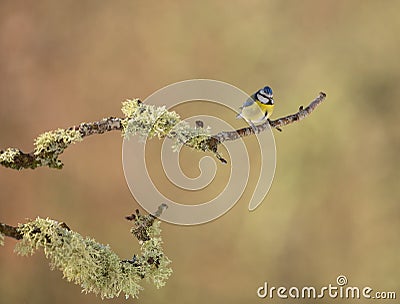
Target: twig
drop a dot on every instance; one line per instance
(277, 124)
(214, 141)
(99, 127)
(143, 221)
(10, 231)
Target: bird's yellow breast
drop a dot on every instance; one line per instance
(256, 112)
(266, 108)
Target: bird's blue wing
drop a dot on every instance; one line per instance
(247, 103)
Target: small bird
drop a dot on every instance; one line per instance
(258, 107)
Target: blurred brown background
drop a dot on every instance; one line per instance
(334, 205)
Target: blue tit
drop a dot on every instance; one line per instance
(258, 108)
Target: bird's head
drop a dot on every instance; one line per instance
(265, 95)
(267, 91)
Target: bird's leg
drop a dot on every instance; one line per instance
(255, 130)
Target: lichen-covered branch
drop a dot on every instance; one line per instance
(143, 120)
(49, 145)
(92, 265)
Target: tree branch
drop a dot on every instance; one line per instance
(51, 144)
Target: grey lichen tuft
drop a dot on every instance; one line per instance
(184, 134)
(152, 121)
(153, 264)
(147, 120)
(92, 265)
(49, 145)
(7, 156)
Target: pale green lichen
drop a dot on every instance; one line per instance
(1, 239)
(7, 156)
(147, 120)
(49, 145)
(56, 141)
(153, 263)
(130, 106)
(184, 134)
(150, 121)
(92, 265)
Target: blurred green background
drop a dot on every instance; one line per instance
(334, 204)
